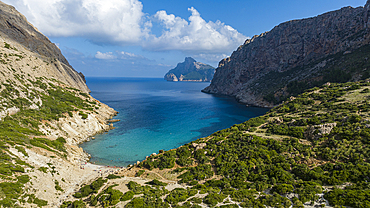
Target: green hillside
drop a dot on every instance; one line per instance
(21, 131)
(314, 147)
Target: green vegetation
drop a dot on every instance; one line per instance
(338, 68)
(57, 186)
(155, 182)
(112, 176)
(139, 173)
(315, 143)
(286, 158)
(320, 138)
(21, 129)
(89, 189)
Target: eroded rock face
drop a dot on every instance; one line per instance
(18, 32)
(288, 46)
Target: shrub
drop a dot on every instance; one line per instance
(127, 196)
(155, 182)
(282, 188)
(83, 115)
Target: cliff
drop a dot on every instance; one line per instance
(18, 32)
(296, 55)
(191, 70)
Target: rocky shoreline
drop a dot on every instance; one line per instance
(72, 171)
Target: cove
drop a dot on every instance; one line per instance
(158, 115)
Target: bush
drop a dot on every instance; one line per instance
(155, 182)
(139, 173)
(212, 199)
(83, 115)
(78, 204)
(127, 196)
(282, 188)
(112, 176)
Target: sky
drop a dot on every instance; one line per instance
(147, 38)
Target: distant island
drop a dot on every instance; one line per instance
(192, 71)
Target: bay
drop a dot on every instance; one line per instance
(158, 115)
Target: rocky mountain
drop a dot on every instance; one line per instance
(16, 31)
(297, 55)
(191, 70)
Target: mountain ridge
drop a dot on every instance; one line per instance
(17, 31)
(290, 45)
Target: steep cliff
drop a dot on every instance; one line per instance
(191, 70)
(16, 31)
(296, 55)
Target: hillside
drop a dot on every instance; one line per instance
(297, 55)
(311, 151)
(45, 112)
(17, 32)
(190, 70)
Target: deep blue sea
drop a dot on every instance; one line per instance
(156, 114)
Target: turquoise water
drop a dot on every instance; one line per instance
(156, 114)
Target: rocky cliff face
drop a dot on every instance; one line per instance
(295, 51)
(191, 70)
(16, 31)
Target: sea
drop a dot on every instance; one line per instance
(158, 115)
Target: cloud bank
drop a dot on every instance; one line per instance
(122, 56)
(193, 35)
(123, 22)
(114, 21)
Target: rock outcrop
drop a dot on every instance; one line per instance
(20, 34)
(300, 51)
(191, 70)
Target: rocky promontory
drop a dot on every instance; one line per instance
(191, 70)
(296, 55)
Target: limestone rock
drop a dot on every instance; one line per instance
(191, 70)
(291, 51)
(22, 35)
(317, 131)
(199, 146)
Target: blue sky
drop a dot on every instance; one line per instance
(146, 38)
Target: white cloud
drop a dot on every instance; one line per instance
(105, 56)
(211, 57)
(122, 56)
(123, 22)
(98, 20)
(127, 55)
(193, 35)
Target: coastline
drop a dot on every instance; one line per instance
(71, 171)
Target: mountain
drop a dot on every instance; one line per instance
(16, 31)
(297, 55)
(45, 112)
(191, 70)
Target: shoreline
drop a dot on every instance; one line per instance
(73, 171)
